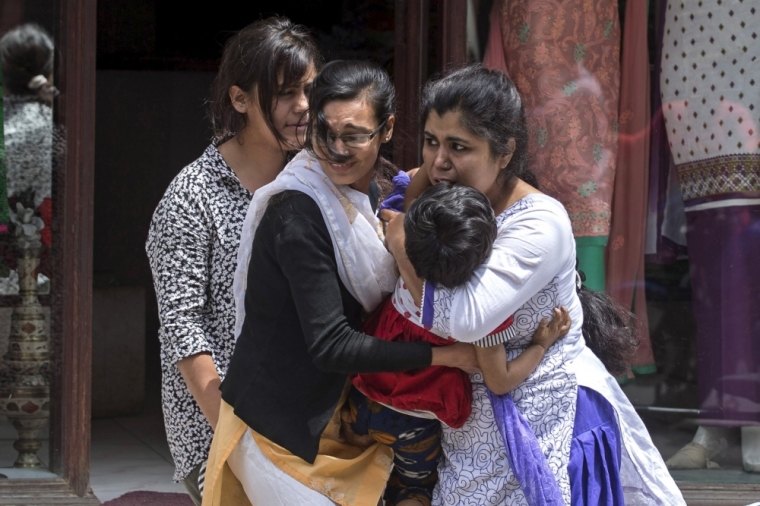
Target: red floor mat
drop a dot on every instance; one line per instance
(150, 498)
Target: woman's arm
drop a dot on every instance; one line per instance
(178, 248)
(502, 376)
(202, 379)
(306, 256)
(458, 355)
(420, 181)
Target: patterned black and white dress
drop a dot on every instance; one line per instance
(192, 247)
(29, 142)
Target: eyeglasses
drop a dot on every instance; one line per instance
(357, 140)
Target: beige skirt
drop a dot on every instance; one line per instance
(344, 474)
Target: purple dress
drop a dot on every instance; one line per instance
(594, 467)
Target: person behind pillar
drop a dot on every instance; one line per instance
(31, 140)
(258, 112)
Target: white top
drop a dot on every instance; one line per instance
(531, 271)
(534, 248)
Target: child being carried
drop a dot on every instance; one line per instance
(449, 233)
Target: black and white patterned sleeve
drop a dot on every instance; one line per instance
(178, 247)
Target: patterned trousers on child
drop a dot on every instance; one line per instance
(416, 444)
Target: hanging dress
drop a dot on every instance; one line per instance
(625, 253)
(564, 57)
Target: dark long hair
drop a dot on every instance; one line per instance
(255, 58)
(490, 107)
(347, 80)
(26, 52)
(609, 329)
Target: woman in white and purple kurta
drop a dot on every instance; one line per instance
(572, 411)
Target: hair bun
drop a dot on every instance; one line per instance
(42, 86)
(37, 82)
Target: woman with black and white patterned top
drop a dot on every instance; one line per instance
(258, 110)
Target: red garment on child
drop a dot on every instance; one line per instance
(444, 391)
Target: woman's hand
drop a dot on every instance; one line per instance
(548, 333)
(459, 355)
(388, 215)
(202, 379)
(420, 181)
(394, 234)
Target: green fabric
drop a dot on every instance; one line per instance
(590, 253)
(4, 216)
(638, 370)
(644, 369)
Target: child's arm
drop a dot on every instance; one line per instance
(502, 376)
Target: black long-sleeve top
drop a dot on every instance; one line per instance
(301, 337)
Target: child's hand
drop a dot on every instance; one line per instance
(548, 333)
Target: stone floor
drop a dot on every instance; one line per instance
(128, 454)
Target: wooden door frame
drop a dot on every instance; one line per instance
(410, 72)
(71, 297)
(454, 33)
(412, 27)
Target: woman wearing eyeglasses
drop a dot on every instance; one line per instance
(310, 265)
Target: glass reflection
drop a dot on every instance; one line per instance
(695, 380)
(27, 68)
(29, 144)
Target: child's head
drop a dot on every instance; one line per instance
(449, 232)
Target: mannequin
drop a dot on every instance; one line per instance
(711, 108)
(571, 93)
(577, 111)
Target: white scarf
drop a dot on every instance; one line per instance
(364, 265)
